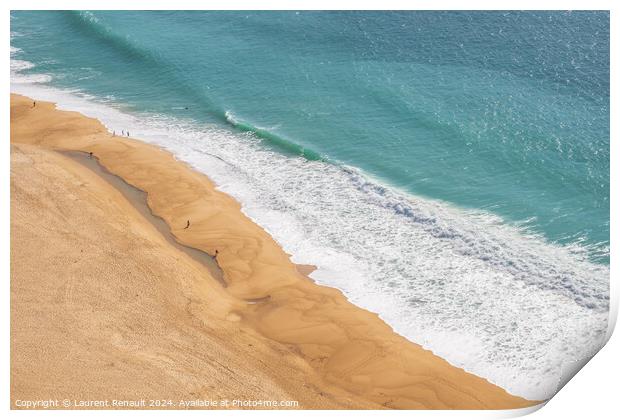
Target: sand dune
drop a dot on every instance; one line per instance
(104, 305)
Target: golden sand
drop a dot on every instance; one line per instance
(104, 306)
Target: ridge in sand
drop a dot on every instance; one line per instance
(102, 301)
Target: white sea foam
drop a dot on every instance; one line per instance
(489, 297)
(18, 66)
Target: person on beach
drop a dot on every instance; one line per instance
(34, 104)
(90, 155)
(128, 134)
(123, 132)
(113, 133)
(186, 226)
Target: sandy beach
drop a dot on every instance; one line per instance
(112, 297)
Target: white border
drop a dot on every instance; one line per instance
(593, 391)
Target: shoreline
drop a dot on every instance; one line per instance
(428, 237)
(347, 346)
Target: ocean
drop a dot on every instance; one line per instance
(446, 170)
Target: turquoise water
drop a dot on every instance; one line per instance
(458, 149)
(500, 111)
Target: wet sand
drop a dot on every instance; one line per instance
(138, 199)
